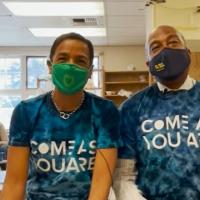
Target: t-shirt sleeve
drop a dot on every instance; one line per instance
(127, 131)
(19, 127)
(108, 127)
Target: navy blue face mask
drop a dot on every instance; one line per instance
(169, 64)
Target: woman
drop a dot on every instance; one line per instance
(66, 138)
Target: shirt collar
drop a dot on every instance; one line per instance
(187, 85)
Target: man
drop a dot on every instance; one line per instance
(161, 127)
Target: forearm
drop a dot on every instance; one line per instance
(3, 134)
(100, 189)
(12, 191)
(16, 174)
(103, 174)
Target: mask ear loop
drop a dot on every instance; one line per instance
(189, 52)
(49, 63)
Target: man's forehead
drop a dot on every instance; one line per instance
(160, 33)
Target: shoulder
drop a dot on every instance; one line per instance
(36, 99)
(26, 112)
(2, 128)
(31, 105)
(1, 125)
(32, 102)
(198, 84)
(100, 103)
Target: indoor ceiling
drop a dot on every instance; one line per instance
(182, 14)
(124, 22)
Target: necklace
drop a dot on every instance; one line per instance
(66, 115)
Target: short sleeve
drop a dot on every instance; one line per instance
(108, 127)
(128, 133)
(19, 127)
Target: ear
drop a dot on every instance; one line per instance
(189, 51)
(49, 66)
(147, 63)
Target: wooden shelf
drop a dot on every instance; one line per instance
(128, 82)
(131, 81)
(115, 96)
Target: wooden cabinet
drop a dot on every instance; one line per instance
(195, 65)
(118, 83)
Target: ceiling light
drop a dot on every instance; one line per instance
(54, 32)
(56, 8)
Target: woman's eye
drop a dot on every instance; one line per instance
(83, 62)
(61, 60)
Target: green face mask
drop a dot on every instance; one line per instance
(69, 78)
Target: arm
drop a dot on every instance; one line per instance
(16, 174)
(3, 134)
(102, 175)
(124, 181)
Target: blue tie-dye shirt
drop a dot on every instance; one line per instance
(63, 151)
(161, 131)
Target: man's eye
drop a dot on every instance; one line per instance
(154, 48)
(174, 42)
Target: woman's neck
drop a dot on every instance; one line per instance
(67, 102)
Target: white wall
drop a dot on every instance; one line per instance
(20, 51)
(115, 58)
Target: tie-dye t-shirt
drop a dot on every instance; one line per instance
(63, 151)
(161, 131)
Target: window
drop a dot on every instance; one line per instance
(7, 104)
(10, 73)
(10, 84)
(37, 71)
(94, 85)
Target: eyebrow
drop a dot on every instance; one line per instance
(168, 38)
(60, 54)
(81, 56)
(173, 36)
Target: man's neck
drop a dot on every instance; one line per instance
(187, 85)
